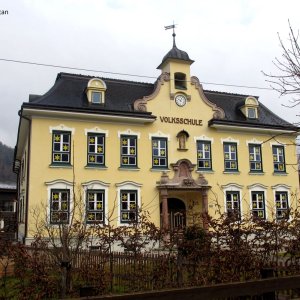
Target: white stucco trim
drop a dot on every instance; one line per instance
(277, 144)
(230, 140)
(255, 142)
(96, 130)
(61, 127)
(129, 132)
(159, 134)
(203, 138)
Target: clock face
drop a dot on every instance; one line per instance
(180, 100)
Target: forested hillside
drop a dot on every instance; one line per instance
(6, 164)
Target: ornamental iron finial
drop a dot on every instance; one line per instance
(174, 35)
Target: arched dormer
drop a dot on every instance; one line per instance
(95, 91)
(250, 108)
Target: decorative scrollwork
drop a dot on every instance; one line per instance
(140, 105)
(218, 111)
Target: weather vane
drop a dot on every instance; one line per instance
(172, 27)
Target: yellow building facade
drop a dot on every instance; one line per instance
(168, 147)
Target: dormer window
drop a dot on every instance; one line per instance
(180, 81)
(251, 113)
(95, 91)
(96, 97)
(250, 108)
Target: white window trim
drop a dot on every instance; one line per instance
(129, 132)
(97, 185)
(96, 130)
(127, 185)
(281, 188)
(233, 187)
(277, 144)
(62, 185)
(284, 149)
(203, 138)
(254, 141)
(230, 140)
(258, 187)
(159, 134)
(61, 127)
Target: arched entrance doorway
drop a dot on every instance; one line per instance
(176, 213)
(181, 183)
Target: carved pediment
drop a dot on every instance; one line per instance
(183, 178)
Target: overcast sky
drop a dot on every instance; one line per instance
(230, 41)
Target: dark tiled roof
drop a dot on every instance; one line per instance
(68, 93)
(231, 104)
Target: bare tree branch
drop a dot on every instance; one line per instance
(287, 81)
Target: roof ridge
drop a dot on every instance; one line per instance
(228, 93)
(79, 76)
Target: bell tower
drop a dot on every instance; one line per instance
(177, 64)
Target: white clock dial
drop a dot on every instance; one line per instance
(180, 100)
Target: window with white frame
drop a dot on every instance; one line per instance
(258, 204)
(129, 195)
(95, 203)
(230, 157)
(128, 151)
(159, 152)
(61, 147)
(129, 206)
(255, 158)
(282, 205)
(96, 149)
(278, 158)
(204, 155)
(59, 206)
(59, 201)
(233, 204)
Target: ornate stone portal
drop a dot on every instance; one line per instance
(182, 181)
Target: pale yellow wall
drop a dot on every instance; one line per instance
(196, 108)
